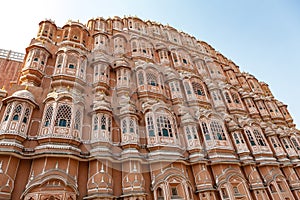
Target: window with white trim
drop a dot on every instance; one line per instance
(128, 125)
(63, 116)
(161, 125)
(191, 132)
(175, 89)
(100, 42)
(250, 138)
(205, 131)
(123, 77)
(101, 124)
(17, 113)
(295, 143)
(48, 116)
(217, 130)
(78, 117)
(259, 138)
(150, 125)
(119, 45)
(7, 112)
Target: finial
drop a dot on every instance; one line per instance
(3, 87)
(26, 87)
(68, 88)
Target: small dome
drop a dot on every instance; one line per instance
(24, 94)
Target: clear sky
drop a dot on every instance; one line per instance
(260, 36)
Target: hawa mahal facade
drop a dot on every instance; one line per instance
(127, 109)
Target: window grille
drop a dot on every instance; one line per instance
(8, 110)
(63, 116)
(217, 130)
(26, 116)
(198, 89)
(151, 79)
(205, 131)
(78, 120)
(48, 116)
(150, 126)
(259, 138)
(250, 137)
(17, 112)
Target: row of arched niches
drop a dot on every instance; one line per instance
(125, 88)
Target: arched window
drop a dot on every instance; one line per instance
(103, 122)
(134, 46)
(128, 125)
(217, 130)
(7, 113)
(236, 98)
(48, 116)
(119, 45)
(63, 116)
(198, 89)
(101, 127)
(164, 127)
(151, 79)
(26, 116)
(95, 121)
(160, 193)
(140, 78)
(161, 125)
(191, 132)
(17, 113)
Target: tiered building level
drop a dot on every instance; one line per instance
(127, 109)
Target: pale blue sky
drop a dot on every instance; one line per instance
(261, 36)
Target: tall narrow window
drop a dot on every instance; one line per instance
(227, 97)
(78, 120)
(236, 98)
(96, 120)
(124, 126)
(48, 116)
(141, 78)
(296, 144)
(205, 131)
(150, 126)
(236, 138)
(188, 133)
(250, 137)
(187, 88)
(103, 123)
(26, 116)
(7, 113)
(17, 112)
(131, 126)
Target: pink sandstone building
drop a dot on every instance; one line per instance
(127, 109)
